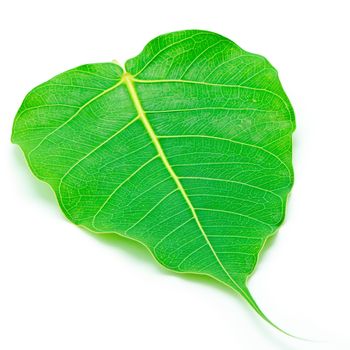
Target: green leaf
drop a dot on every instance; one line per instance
(188, 151)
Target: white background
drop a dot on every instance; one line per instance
(64, 288)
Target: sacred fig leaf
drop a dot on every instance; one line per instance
(188, 151)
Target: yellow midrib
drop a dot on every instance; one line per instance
(128, 80)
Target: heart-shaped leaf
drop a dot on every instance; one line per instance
(187, 151)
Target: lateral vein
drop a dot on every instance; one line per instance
(86, 104)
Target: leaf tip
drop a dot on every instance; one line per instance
(249, 298)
